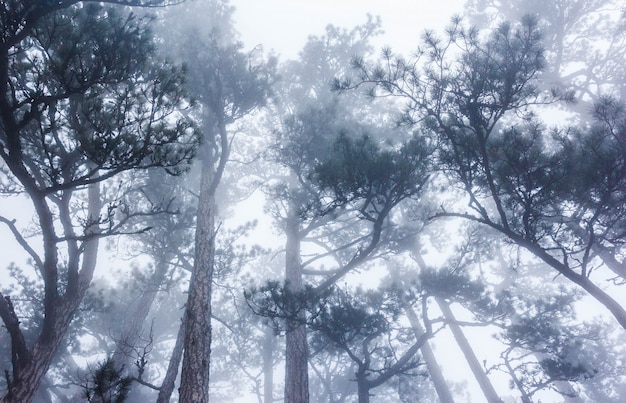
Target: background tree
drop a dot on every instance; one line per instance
(365, 328)
(572, 34)
(228, 84)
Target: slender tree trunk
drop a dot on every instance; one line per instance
(441, 386)
(167, 386)
(296, 348)
(133, 326)
(194, 386)
(268, 365)
(468, 353)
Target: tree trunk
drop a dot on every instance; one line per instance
(363, 391)
(268, 365)
(194, 384)
(296, 346)
(167, 386)
(468, 353)
(133, 326)
(441, 386)
(577, 278)
(26, 379)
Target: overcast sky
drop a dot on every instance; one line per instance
(284, 25)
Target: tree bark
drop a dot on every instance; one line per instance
(468, 353)
(296, 348)
(167, 386)
(194, 387)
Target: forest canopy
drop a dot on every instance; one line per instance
(187, 217)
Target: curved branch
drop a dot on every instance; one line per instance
(23, 243)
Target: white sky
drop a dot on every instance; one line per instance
(284, 25)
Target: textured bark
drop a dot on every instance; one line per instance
(296, 349)
(468, 353)
(441, 386)
(167, 386)
(194, 385)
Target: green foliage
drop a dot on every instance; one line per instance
(106, 384)
(359, 170)
(279, 303)
(87, 97)
(595, 161)
(563, 351)
(349, 319)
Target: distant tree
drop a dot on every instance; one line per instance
(362, 184)
(585, 43)
(305, 118)
(364, 327)
(560, 351)
(453, 284)
(82, 101)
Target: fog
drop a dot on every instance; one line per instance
(260, 201)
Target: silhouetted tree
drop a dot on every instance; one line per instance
(509, 169)
(82, 101)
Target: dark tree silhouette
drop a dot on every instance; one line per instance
(81, 101)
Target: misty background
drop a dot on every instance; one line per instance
(258, 201)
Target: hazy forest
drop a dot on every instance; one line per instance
(186, 217)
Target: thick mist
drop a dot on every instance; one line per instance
(237, 201)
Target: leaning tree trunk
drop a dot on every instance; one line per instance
(296, 347)
(441, 386)
(194, 384)
(167, 386)
(468, 353)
